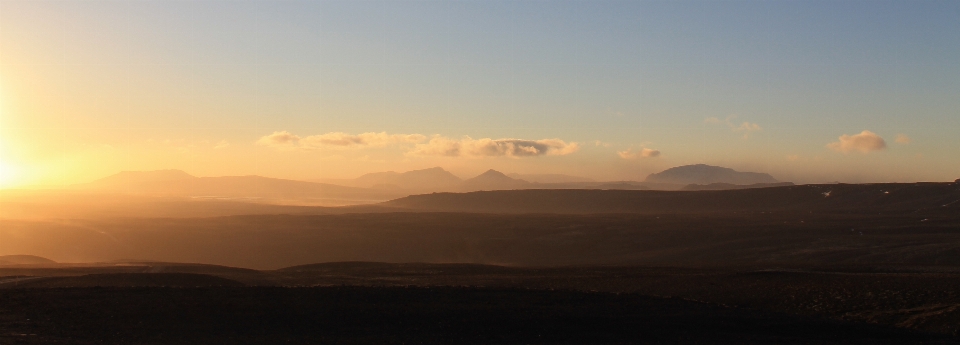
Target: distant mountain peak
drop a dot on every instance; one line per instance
(703, 174)
(492, 172)
(493, 180)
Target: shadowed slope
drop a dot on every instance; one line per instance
(867, 198)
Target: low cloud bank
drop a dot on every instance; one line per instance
(486, 147)
(287, 140)
(435, 146)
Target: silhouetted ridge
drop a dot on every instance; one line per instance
(132, 280)
(831, 198)
(729, 186)
(550, 178)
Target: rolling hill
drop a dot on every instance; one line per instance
(910, 197)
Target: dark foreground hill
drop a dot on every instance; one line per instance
(404, 315)
(274, 241)
(869, 198)
(123, 280)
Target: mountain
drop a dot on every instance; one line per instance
(493, 180)
(728, 186)
(550, 178)
(125, 180)
(174, 183)
(707, 174)
(432, 179)
(6, 260)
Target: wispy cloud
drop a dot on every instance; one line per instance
(744, 128)
(865, 142)
(337, 140)
(642, 153)
(221, 145)
(903, 139)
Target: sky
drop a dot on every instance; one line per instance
(808, 91)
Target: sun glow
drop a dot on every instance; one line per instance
(8, 175)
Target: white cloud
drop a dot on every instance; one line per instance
(864, 142)
(486, 147)
(337, 140)
(903, 139)
(642, 153)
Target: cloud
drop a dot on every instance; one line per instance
(222, 145)
(865, 142)
(486, 147)
(337, 140)
(642, 153)
(280, 139)
(903, 139)
(436, 146)
(746, 127)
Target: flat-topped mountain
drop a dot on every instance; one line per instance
(707, 174)
(432, 178)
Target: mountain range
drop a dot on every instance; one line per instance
(383, 186)
(176, 183)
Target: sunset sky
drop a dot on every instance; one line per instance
(809, 91)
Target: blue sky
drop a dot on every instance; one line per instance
(91, 87)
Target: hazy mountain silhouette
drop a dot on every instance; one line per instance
(180, 184)
(550, 178)
(125, 180)
(707, 174)
(425, 179)
(24, 260)
(728, 186)
(493, 180)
